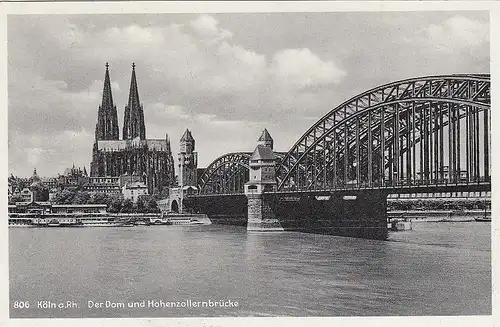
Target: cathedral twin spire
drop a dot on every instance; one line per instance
(133, 123)
(107, 119)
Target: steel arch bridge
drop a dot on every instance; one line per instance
(418, 132)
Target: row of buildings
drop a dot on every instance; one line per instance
(132, 165)
(36, 188)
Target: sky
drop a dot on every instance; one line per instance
(226, 77)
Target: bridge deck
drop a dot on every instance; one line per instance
(399, 189)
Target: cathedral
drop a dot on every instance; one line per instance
(133, 155)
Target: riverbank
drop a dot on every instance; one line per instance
(439, 215)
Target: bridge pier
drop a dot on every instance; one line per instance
(360, 214)
(261, 217)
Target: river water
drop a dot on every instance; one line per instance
(435, 269)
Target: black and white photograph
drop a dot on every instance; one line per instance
(249, 164)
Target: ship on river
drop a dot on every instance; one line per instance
(45, 214)
(64, 221)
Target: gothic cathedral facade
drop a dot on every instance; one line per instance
(134, 154)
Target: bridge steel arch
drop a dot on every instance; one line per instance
(430, 130)
(226, 174)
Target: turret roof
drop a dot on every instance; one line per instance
(265, 136)
(263, 153)
(187, 136)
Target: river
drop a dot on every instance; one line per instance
(434, 269)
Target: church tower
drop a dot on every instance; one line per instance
(133, 122)
(188, 161)
(107, 117)
(107, 124)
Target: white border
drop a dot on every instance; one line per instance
(228, 7)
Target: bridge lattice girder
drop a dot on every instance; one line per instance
(406, 111)
(227, 174)
(422, 124)
(218, 176)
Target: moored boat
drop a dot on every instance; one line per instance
(43, 221)
(159, 221)
(127, 223)
(53, 223)
(196, 222)
(21, 222)
(100, 222)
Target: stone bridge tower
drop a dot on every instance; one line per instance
(188, 161)
(187, 179)
(262, 182)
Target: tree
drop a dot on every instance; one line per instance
(21, 184)
(439, 205)
(81, 197)
(16, 198)
(64, 197)
(152, 206)
(140, 206)
(115, 203)
(44, 194)
(99, 198)
(478, 204)
(163, 194)
(127, 206)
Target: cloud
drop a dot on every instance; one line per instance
(34, 155)
(211, 133)
(160, 111)
(191, 74)
(236, 69)
(164, 115)
(302, 68)
(225, 77)
(37, 105)
(49, 153)
(457, 33)
(207, 28)
(184, 60)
